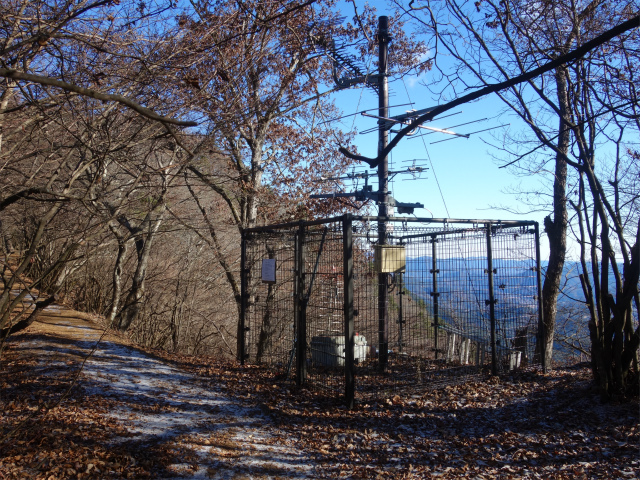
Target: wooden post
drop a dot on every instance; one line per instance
(383, 186)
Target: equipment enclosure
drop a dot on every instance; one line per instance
(441, 301)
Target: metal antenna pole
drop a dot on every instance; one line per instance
(383, 187)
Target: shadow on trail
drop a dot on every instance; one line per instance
(165, 418)
(520, 426)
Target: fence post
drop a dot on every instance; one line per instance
(541, 337)
(300, 307)
(401, 321)
(491, 302)
(243, 299)
(383, 314)
(435, 294)
(349, 334)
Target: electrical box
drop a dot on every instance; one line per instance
(390, 258)
(328, 350)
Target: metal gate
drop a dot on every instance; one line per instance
(442, 300)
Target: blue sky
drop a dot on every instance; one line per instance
(463, 179)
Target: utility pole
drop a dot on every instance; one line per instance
(383, 189)
(386, 203)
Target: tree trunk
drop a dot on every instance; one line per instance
(22, 324)
(117, 275)
(556, 229)
(6, 304)
(133, 302)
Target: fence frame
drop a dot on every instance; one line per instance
(301, 298)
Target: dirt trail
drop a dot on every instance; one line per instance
(163, 407)
(137, 414)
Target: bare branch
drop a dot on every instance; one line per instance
(11, 199)
(87, 92)
(496, 87)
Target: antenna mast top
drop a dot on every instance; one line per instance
(383, 29)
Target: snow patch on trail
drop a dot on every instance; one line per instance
(164, 406)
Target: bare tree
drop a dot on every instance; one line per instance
(263, 86)
(508, 47)
(60, 63)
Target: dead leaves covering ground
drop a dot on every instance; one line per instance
(72, 440)
(525, 426)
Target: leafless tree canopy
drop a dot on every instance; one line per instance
(568, 71)
(138, 139)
